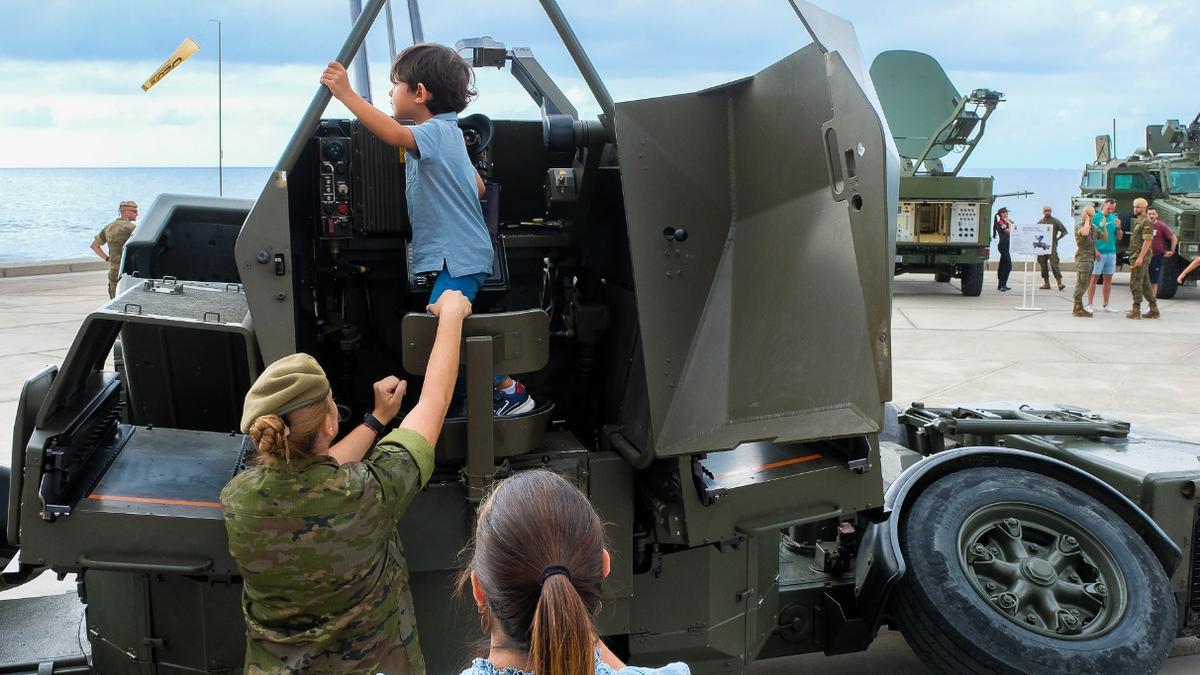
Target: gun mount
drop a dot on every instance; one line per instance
(732, 444)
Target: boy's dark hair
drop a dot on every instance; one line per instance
(446, 75)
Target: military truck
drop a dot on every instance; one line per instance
(944, 222)
(762, 496)
(1166, 173)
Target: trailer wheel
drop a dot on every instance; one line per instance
(1010, 571)
(972, 280)
(942, 277)
(1168, 284)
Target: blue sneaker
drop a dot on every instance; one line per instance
(511, 404)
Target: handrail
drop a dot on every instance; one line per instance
(312, 115)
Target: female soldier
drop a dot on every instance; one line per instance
(1002, 231)
(312, 526)
(536, 577)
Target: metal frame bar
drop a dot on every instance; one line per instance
(928, 427)
(936, 138)
(312, 115)
(571, 41)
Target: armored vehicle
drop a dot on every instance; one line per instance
(1165, 172)
(944, 224)
(762, 496)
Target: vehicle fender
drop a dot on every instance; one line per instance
(7, 550)
(880, 562)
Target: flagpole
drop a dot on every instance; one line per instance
(220, 120)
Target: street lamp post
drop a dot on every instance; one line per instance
(220, 121)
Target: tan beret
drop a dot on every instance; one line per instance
(1046, 207)
(128, 202)
(288, 384)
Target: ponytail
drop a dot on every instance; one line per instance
(562, 632)
(540, 560)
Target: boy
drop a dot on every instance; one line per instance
(431, 84)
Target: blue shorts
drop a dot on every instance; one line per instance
(1106, 263)
(468, 284)
(1155, 270)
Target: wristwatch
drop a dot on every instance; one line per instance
(375, 425)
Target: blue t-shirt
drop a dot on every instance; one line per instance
(485, 667)
(1110, 226)
(443, 202)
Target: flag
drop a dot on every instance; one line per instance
(181, 54)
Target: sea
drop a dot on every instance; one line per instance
(54, 214)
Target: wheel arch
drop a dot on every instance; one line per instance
(880, 562)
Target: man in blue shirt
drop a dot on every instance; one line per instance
(1106, 253)
(431, 85)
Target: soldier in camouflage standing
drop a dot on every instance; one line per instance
(1086, 235)
(115, 234)
(1049, 263)
(1141, 238)
(312, 524)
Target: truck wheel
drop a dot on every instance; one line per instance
(972, 280)
(941, 277)
(1013, 572)
(1167, 285)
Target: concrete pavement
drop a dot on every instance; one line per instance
(946, 349)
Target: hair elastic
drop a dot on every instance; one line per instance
(551, 570)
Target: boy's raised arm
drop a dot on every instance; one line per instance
(378, 122)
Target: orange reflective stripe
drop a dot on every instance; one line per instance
(150, 500)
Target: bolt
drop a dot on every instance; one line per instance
(1011, 522)
(994, 549)
(1101, 589)
(991, 586)
(1070, 620)
(1034, 548)
(1007, 600)
(1030, 618)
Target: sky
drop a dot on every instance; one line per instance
(71, 70)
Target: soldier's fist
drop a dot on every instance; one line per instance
(389, 393)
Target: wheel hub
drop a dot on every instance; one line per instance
(1038, 571)
(1042, 571)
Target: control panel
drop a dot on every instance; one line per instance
(333, 188)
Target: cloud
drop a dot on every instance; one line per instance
(69, 76)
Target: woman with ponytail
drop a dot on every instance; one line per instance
(536, 576)
(312, 523)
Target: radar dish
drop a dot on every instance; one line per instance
(1104, 149)
(917, 99)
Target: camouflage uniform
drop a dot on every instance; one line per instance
(1085, 258)
(1049, 263)
(326, 586)
(115, 234)
(1139, 279)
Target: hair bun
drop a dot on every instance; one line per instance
(269, 434)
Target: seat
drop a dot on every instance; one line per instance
(493, 344)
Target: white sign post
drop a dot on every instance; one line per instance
(1027, 243)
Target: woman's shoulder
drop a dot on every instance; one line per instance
(485, 667)
(677, 668)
